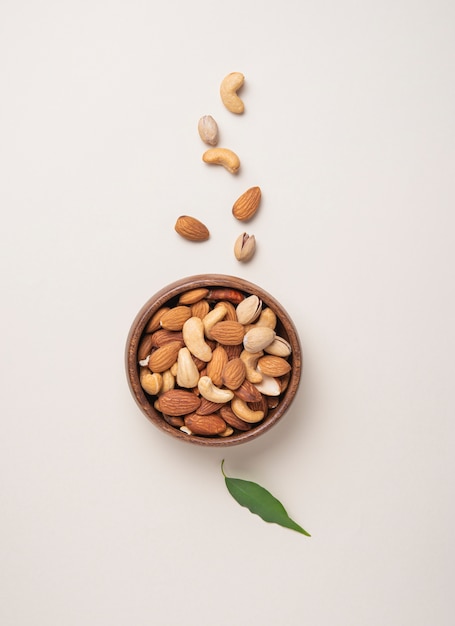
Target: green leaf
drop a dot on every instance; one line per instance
(260, 502)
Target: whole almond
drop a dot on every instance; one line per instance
(207, 407)
(228, 332)
(162, 337)
(191, 228)
(154, 322)
(193, 295)
(175, 318)
(163, 358)
(234, 373)
(200, 309)
(273, 365)
(248, 392)
(247, 204)
(216, 365)
(178, 402)
(206, 425)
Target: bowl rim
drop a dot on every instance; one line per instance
(171, 291)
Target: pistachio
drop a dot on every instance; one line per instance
(244, 247)
(249, 309)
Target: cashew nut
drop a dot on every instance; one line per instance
(212, 318)
(224, 157)
(251, 359)
(228, 92)
(212, 393)
(242, 410)
(187, 371)
(151, 383)
(193, 336)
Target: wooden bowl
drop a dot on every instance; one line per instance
(168, 296)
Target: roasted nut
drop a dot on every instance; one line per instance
(249, 309)
(193, 336)
(273, 365)
(242, 410)
(229, 87)
(193, 296)
(208, 130)
(191, 228)
(187, 371)
(234, 373)
(216, 365)
(163, 358)
(246, 205)
(206, 425)
(258, 338)
(178, 402)
(228, 333)
(175, 318)
(244, 247)
(213, 393)
(222, 156)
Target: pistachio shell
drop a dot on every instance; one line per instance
(249, 309)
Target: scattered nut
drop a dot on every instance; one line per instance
(244, 247)
(208, 130)
(222, 156)
(228, 92)
(246, 206)
(191, 228)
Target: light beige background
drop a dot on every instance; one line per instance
(349, 130)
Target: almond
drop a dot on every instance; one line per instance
(154, 322)
(207, 407)
(273, 365)
(193, 295)
(175, 318)
(206, 425)
(163, 358)
(178, 402)
(234, 373)
(191, 228)
(228, 332)
(248, 392)
(216, 365)
(247, 204)
(200, 309)
(162, 337)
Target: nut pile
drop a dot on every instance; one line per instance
(213, 362)
(246, 206)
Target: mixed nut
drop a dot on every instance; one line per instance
(213, 362)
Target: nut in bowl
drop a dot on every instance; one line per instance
(213, 360)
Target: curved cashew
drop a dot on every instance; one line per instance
(210, 392)
(151, 383)
(228, 92)
(251, 360)
(187, 371)
(193, 336)
(224, 157)
(212, 318)
(242, 410)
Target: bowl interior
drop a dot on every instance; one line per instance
(168, 296)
